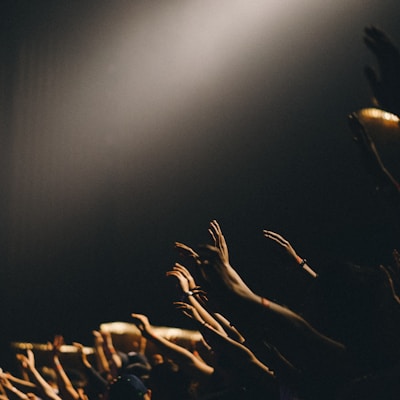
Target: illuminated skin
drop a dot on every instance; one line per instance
(239, 363)
(22, 383)
(291, 251)
(113, 357)
(242, 305)
(7, 386)
(67, 391)
(28, 363)
(219, 239)
(187, 284)
(102, 362)
(183, 357)
(245, 307)
(156, 359)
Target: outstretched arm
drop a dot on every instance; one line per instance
(29, 361)
(114, 359)
(291, 251)
(8, 386)
(218, 238)
(233, 357)
(183, 357)
(237, 350)
(96, 381)
(186, 281)
(229, 328)
(65, 386)
(103, 365)
(21, 383)
(255, 314)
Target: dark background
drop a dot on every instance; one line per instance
(128, 125)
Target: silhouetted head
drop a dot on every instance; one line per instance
(128, 387)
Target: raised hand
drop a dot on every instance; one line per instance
(189, 311)
(182, 279)
(185, 272)
(219, 239)
(219, 275)
(58, 341)
(6, 384)
(186, 250)
(284, 243)
(385, 85)
(98, 338)
(143, 324)
(27, 361)
(80, 349)
(291, 251)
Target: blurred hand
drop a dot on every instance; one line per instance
(188, 310)
(143, 324)
(385, 85)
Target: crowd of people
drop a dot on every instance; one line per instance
(252, 347)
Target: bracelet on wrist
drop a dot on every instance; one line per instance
(303, 262)
(265, 302)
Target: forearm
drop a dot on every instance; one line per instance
(101, 358)
(186, 360)
(239, 362)
(277, 319)
(205, 315)
(236, 351)
(21, 382)
(231, 330)
(64, 383)
(111, 354)
(16, 393)
(43, 385)
(258, 317)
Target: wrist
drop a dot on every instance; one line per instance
(302, 262)
(265, 302)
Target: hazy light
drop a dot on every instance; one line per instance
(90, 100)
(376, 113)
(122, 328)
(45, 347)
